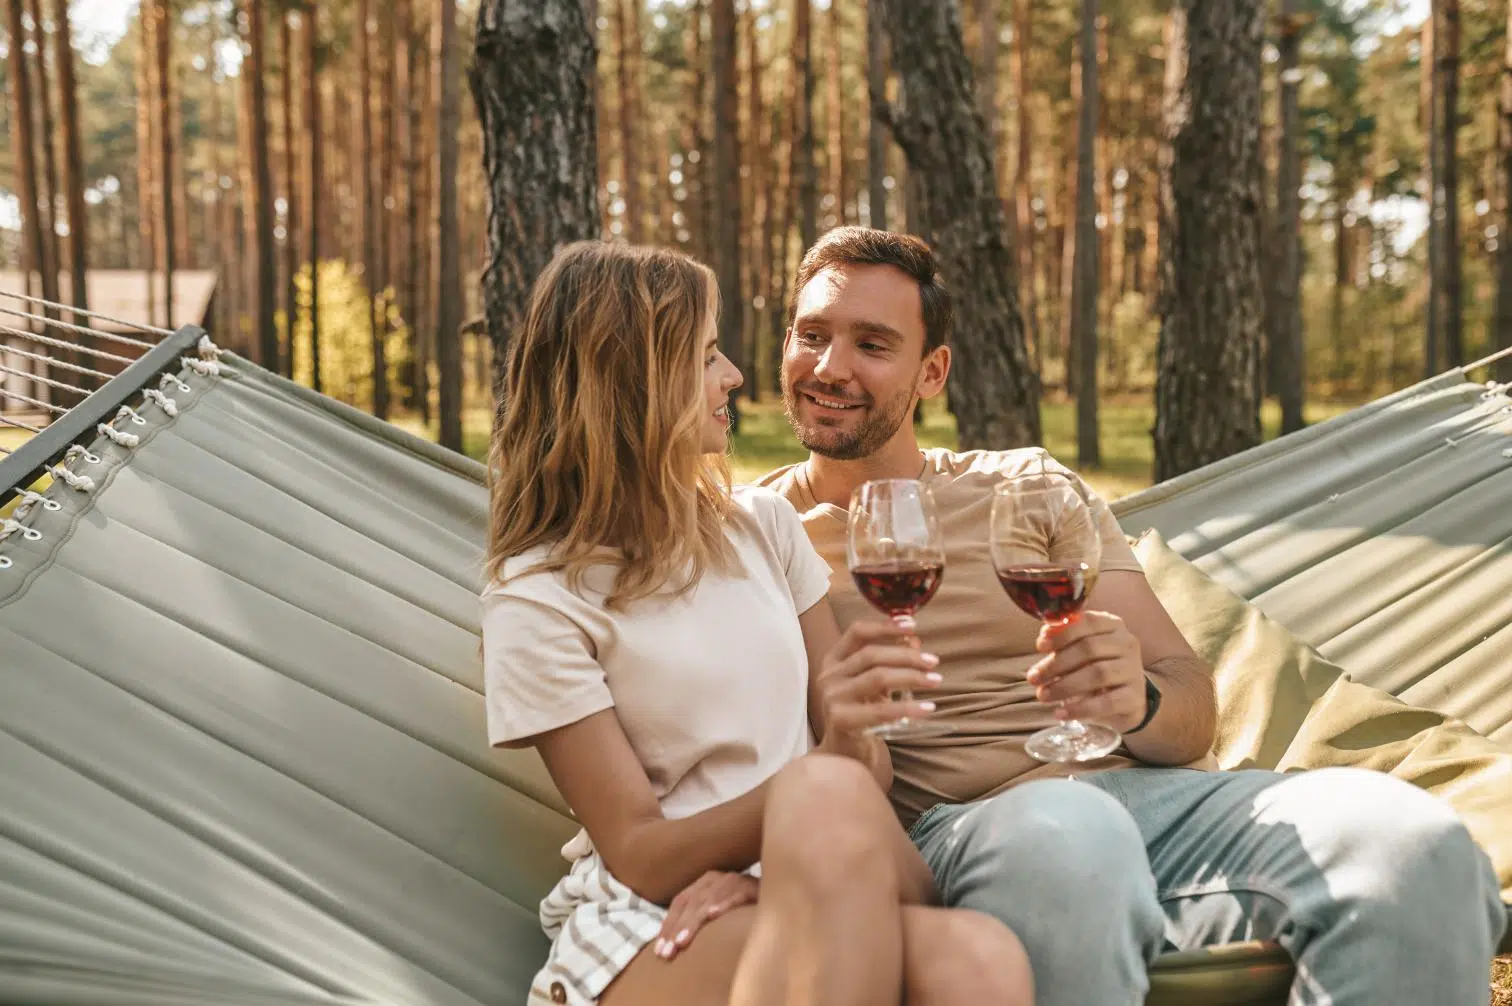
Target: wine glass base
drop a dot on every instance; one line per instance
(1065, 743)
(911, 728)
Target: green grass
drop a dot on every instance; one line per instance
(765, 442)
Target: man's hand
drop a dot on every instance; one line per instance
(859, 681)
(1094, 669)
(700, 903)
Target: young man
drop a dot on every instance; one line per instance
(1373, 886)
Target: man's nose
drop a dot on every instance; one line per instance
(833, 366)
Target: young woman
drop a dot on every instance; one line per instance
(665, 643)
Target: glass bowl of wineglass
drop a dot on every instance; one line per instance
(896, 555)
(1046, 547)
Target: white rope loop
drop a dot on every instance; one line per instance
(208, 350)
(9, 527)
(177, 383)
(81, 483)
(126, 411)
(75, 451)
(168, 405)
(31, 499)
(127, 440)
(204, 368)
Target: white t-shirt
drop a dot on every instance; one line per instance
(711, 688)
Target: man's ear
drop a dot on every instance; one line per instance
(935, 371)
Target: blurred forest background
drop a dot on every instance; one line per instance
(247, 140)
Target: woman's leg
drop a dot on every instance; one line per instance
(954, 955)
(835, 868)
(700, 974)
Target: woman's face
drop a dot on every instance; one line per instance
(720, 377)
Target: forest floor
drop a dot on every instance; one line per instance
(1501, 981)
(765, 442)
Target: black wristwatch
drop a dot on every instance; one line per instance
(1152, 706)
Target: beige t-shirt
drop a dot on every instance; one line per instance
(711, 688)
(984, 642)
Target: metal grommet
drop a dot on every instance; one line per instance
(558, 992)
(5, 562)
(31, 534)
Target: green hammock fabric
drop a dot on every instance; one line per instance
(241, 730)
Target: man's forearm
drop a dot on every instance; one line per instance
(1186, 725)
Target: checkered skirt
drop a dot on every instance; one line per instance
(597, 925)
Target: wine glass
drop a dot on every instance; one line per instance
(896, 556)
(1045, 549)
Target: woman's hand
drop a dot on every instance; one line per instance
(701, 902)
(860, 678)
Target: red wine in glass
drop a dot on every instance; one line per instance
(1050, 592)
(896, 555)
(898, 589)
(1046, 546)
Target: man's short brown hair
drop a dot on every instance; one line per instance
(868, 246)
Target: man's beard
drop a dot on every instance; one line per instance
(868, 437)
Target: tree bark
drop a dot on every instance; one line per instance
(448, 270)
(808, 179)
(876, 130)
(1024, 233)
(628, 39)
(367, 194)
(1454, 307)
(532, 81)
(1285, 306)
(1501, 337)
(1085, 261)
(73, 162)
(261, 196)
(839, 180)
(938, 123)
(727, 176)
(309, 24)
(291, 179)
(49, 178)
(1431, 134)
(25, 163)
(1207, 398)
(167, 230)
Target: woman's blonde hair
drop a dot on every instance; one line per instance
(596, 448)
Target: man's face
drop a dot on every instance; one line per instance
(854, 360)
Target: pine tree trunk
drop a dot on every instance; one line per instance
(938, 124)
(146, 247)
(808, 179)
(291, 178)
(1501, 337)
(73, 163)
(532, 82)
(403, 270)
(1207, 399)
(695, 139)
(1431, 134)
(627, 21)
(49, 179)
(309, 24)
(167, 231)
(448, 271)
(1024, 233)
(834, 146)
(1454, 307)
(1285, 303)
(759, 143)
(726, 177)
(266, 297)
(876, 130)
(367, 195)
(25, 170)
(1085, 263)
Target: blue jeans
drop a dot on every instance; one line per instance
(1373, 886)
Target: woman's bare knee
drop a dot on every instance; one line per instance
(955, 955)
